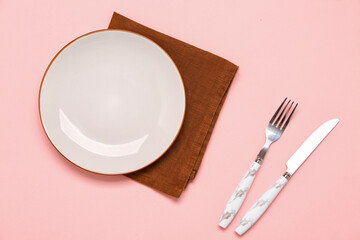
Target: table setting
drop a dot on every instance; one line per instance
(147, 126)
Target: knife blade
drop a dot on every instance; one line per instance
(298, 158)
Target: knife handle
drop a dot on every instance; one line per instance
(255, 212)
(237, 198)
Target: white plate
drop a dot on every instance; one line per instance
(112, 102)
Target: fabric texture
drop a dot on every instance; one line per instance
(206, 78)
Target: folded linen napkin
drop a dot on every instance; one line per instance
(207, 79)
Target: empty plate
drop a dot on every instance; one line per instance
(112, 102)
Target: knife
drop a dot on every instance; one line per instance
(255, 212)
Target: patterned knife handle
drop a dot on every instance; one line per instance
(255, 212)
(237, 198)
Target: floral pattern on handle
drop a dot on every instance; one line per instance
(255, 212)
(237, 198)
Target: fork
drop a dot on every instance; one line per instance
(274, 130)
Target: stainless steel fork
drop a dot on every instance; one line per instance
(274, 130)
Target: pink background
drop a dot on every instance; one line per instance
(308, 50)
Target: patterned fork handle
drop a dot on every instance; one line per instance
(255, 212)
(237, 198)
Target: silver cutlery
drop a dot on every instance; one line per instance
(274, 130)
(255, 212)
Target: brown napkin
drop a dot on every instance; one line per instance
(207, 78)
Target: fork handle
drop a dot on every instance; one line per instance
(237, 198)
(257, 210)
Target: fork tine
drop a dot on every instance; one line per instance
(277, 111)
(287, 121)
(286, 114)
(282, 112)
